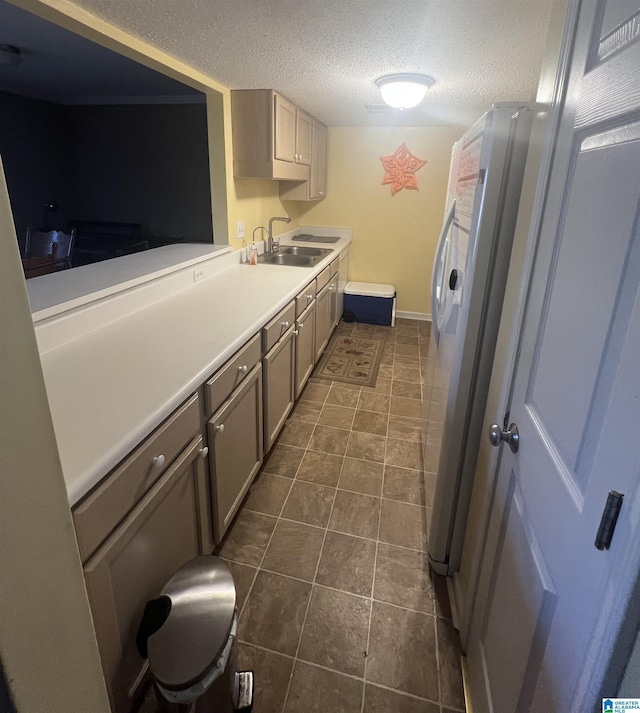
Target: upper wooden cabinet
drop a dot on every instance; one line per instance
(316, 187)
(292, 132)
(318, 181)
(272, 138)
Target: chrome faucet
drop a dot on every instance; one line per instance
(273, 245)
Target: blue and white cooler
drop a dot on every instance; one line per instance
(370, 303)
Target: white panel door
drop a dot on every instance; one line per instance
(549, 603)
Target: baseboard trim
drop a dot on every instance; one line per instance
(421, 316)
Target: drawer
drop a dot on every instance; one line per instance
(305, 298)
(335, 266)
(278, 326)
(226, 379)
(323, 278)
(98, 514)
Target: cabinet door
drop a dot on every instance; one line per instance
(235, 455)
(305, 346)
(157, 537)
(304, 124)
(333, 317)
(343, 278)
(279, 389)
(318, 180)
(284, 130)
(323, 319)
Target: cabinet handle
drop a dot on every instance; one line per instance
(220, 428)
(295, 331)
(243, 369)
(285, 324)
(331, 288)
(158, 461)
(300, 325)
(309, 298)
(204, 452)
(321, 193)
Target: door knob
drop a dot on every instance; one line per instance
(510, 436)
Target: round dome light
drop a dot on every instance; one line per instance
(404, 91)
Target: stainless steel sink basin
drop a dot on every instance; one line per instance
(295, 256)
(303, 250)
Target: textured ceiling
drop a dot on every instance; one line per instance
(325, 55)
(61, 67)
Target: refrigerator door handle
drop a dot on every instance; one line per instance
(438, 277)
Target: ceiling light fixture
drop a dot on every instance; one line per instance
(9, 55)
(404, 91)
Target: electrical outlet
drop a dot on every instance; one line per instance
(240, 229)
(198, 274)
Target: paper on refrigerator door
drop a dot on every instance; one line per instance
(468, 178)
(467, 189)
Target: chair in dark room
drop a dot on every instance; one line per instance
(47, 252)
(101, 240)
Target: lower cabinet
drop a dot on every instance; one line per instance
(279, 389)
(343, 278)
(305, 346)
(334, 317)
(160, 534)
(235, 449)
(323, 319)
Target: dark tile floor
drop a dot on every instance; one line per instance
(339, 611)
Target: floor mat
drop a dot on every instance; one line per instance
(354, 360)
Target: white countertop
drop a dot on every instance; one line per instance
(115, 368)
(59, 292)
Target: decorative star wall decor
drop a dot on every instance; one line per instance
(400, 169)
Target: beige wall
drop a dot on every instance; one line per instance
(47, 646)
(394, 237)
(255, 200)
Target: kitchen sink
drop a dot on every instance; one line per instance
(305, 237)
(295, 256)
(303, 250)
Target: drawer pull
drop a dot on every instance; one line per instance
(158, 461)
(285, 324)
(243, 369)
(220, 428)
(309, 298)
(204, 452)
(300, 325)
(295, 331)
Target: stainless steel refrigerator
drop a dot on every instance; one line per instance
(467, 290)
